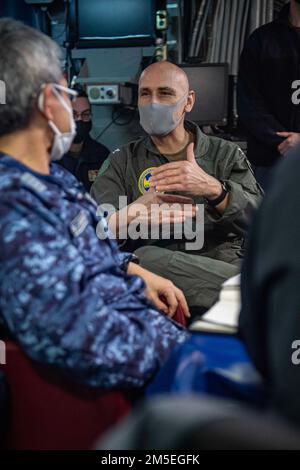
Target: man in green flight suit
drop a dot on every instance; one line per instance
(177, 158)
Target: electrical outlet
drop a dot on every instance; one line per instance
(161, 20)
(103, 94)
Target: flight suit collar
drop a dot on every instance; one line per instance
(201, 141)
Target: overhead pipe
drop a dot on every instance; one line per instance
(196, 29)
(220, 31)
(212, 45)
(202, 27)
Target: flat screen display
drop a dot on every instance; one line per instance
(110, 23)
(210, 83)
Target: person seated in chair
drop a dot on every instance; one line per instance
(177, 158)
(68, 298)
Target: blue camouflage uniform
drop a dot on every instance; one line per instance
(64, 294)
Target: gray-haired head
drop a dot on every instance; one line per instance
(28, 58)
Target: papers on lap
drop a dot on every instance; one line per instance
(223, 317)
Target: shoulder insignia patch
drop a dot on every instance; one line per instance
(104, 166)
(143, 183)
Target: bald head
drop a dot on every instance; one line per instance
(165, 83)
(165, 74)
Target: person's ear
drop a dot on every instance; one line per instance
(46, 102)
(190, 101)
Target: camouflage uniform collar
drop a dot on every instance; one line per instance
(9, 161)
(201, 141)
(57, 175)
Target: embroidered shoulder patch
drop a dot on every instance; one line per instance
(143, 183)
(104, 166)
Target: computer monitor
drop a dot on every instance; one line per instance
(210, 83)
(112, 23)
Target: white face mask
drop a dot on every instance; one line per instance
(62, 140)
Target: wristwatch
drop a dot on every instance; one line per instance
(219, 199)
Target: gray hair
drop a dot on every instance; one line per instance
(28, 59)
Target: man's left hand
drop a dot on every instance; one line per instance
(185, 177)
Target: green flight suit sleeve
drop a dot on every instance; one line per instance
(110, 181)
(244, 196)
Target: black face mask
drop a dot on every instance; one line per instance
(82, 131)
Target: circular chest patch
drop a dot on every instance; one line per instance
(144, 184)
